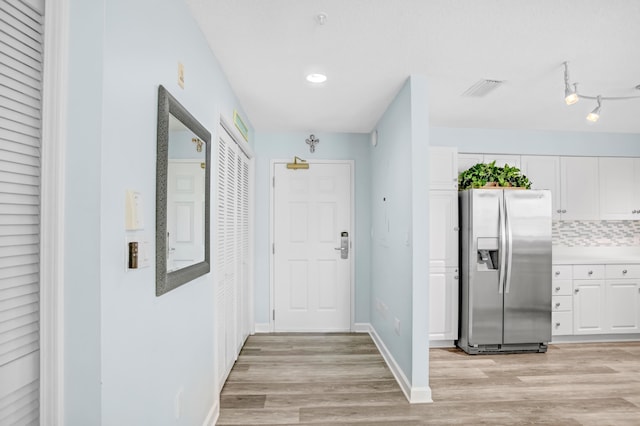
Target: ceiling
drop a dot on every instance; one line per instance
(368, 48)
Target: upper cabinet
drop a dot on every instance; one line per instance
(443, 168)
(544, 173)
(467, 160)
(619, 188)
(579, 188)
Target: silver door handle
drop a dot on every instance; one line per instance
(503, 247)
(344, 245)
(507, 224)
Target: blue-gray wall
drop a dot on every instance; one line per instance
(127, 352)
(399, 208)
(529, 142)
(332, 146)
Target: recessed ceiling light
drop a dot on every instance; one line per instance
(316, 78)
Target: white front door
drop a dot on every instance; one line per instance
(312, 273)
(185, 222)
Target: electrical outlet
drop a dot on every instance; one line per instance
(396, 326)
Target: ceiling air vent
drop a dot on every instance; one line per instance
(482, 87)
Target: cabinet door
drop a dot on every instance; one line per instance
(443, 229)
(589, 307)
(579, 188)
(443, 305)
(465, 161)
(502, 159)
(623, 312)
(617, 184)
(443, 168)
(544, 173)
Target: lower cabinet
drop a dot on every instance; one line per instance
(443, 304)
(589, 307)
(605, 299)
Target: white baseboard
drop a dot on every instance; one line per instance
(413, 395)
(262, 327)
(442, 344)
(361, 327)
(596, 338)
(213, 414)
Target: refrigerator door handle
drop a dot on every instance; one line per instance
(509, 246)
(503, 249)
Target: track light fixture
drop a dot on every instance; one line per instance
(571, 96)
(595, 114)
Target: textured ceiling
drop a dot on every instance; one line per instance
(368, 48)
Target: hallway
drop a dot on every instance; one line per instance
(342, 379)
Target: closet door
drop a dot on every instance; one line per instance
(21, 55)
(233, 253)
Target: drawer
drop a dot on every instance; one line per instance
(561, 287)
(561, 272)
(622, 271)
(588, 272)
(561, 303)
(561, 323)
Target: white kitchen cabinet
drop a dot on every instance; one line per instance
(589, 307)
(467, 160)
(502, 159)
(623, 298)
(543, 172)
(619, 188)
(561, 300)
(443, 168)
(443, 304)
(443, 229)
(579, 188)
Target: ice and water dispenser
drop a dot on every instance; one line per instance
(487, 254)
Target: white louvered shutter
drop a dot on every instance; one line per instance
(21, 58)
(220, 209)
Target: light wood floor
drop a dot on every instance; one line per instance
(342, 379)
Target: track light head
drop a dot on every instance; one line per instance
(594, 115)
(570, 96)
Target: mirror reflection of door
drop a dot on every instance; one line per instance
(185, 219)
(185, 197)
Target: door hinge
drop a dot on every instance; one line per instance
(274, 314)
(273, 248)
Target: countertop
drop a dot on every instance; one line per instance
(595, 255)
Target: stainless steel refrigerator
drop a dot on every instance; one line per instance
(505, 297)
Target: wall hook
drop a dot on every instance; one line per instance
(312, 142)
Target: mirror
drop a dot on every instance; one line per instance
(183, 175)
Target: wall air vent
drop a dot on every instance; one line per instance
(481, 88)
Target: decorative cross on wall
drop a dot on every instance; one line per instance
(312, 142)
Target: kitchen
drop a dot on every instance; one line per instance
(596, 290)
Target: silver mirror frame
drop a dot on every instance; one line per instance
(167, 281)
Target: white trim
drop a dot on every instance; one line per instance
(442, 344)
(262, 327)
(413, 395)
(361, 327)
(213, 414)
(54, 130)
(595, 338)
(354, 246)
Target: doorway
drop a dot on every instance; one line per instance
(312, 247)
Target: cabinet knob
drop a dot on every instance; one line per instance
(634, 211)
(557, 288)
(564, 211)
(558, 305)
(577, 290)
(558, 211)
(590, 272)
(624, 271)
(455, 277)
(557, 273)
(557, 324)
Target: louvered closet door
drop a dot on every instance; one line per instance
(21, 51)
(232, 253)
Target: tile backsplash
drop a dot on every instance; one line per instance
(596, 233)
